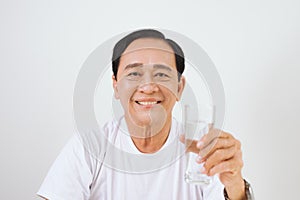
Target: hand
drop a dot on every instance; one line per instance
(221, 154)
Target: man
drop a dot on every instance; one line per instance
(148, 81)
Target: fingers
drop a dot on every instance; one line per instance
(182, 138)
(232, 166)
(206, 147)
(208, 143)
(219, 156)
(221, 153)
(211, 136)
(226, 166)
(213, 148)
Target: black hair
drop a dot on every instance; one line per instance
(122, 44)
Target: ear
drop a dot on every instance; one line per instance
(115, 86)
(181, 85)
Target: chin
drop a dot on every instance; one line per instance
(141, 120)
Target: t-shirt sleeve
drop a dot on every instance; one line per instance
(70, 176)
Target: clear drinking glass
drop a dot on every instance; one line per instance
(195, 127)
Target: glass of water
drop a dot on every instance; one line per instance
(195, 127)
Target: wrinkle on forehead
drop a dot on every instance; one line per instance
(149, 43)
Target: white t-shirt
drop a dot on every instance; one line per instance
(106, 165)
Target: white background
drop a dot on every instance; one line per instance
(254, 44)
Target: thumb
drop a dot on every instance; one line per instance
(191, 145)
(182, 138)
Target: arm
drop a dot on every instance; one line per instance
(69, 176)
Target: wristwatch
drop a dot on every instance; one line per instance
(248, 191)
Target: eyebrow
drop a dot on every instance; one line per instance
(133, 65)
(155, 66)
(160, 66)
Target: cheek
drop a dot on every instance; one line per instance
(170, 90)
(125, 91)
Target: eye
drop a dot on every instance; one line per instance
(134, 74)
(161, 75)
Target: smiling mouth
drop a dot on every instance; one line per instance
(147, 103)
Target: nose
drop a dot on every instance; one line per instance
(148, 88)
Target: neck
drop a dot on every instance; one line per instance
(151, 142)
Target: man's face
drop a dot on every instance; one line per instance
(147, 83)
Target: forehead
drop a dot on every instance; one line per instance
(148, 51)
(149, 43)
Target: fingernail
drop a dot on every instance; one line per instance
(198, 159)
(199, 144)
(202, 170)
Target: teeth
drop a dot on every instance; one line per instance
(145, 103)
